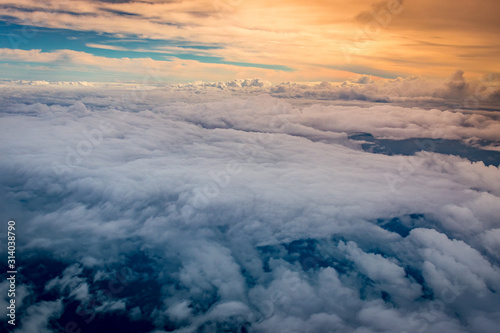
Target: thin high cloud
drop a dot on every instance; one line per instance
(318, 40)
(244, 213)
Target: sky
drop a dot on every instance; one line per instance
(220, 40)
(250, 166)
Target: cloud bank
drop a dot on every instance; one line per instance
(207, 208)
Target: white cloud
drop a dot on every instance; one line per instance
(249, 210)
(38, 316)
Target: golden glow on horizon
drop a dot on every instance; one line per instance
(318, 39)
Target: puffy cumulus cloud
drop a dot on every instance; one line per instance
(44, 83)
(180, 209)
(39, 315)
(459, 272)
(454, 92)
(382, 271)
(491, 240)
(233, 85)
(70, 282)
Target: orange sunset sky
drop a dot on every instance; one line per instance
(292, 40)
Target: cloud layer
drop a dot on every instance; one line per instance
(185, 209)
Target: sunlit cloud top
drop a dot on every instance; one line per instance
(181, 41)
